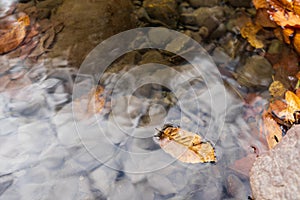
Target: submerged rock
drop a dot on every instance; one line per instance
(276, 175)
(86, 24)
(164, 11)
(200, 3)
(257, 72)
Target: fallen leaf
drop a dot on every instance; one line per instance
(288, 33)
(263, 19)
(185, 146)
(277, 106)
(272, 131)
(97, 100)
(293, 105)
(285, 18)
(249, 32)
(296, 42)
(13, 35)
(89, 104)
(277, 89)
(260, 4)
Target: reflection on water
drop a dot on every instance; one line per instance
(114, 156)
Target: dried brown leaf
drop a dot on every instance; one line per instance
(293, 105)
(249, 32)
(285, 19)
(13, 35)
(260, 4)
(272, 131)
(185, 146)
(296, 42)
(288, 33)
(277, 89)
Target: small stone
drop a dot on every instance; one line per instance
(257, 72)
(203, 3)
(204, 15)
(240, 3)
(275, 47)
(188, 19)
(218, 32)
(159, 37)
(164, 11)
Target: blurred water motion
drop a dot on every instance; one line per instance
(43, 156)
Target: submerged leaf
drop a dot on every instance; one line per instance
(249, 32)
(13, 35)
(185, 146)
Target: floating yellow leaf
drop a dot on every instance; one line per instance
(185, 146)
(249, 32)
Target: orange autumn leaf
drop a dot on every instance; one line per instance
(89, 104)
(285, 19)
(293, 105)
(272, 131)
(260, 4)
(13, 35)
(96, 100)
(287, 34)
(296, 40)
(249, 32)
(277, 106)
(185, 146)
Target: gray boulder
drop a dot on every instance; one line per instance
(276, 175)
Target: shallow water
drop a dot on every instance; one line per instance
(51, 150)
(47, 152)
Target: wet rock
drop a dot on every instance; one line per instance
(275, 47)
(275, 175)
(103, 178)
(220, 57)
(218, 32)
(164, 11)
(87, 24)
(240, 3)
(184, 7)
(159, 37)
(257, 72)
(161, 184)
(123, 189)
(206, 16)
(201, 3)
(154, 56)
(236, 188)
(4, 185)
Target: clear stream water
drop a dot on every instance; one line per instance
(50, 151)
